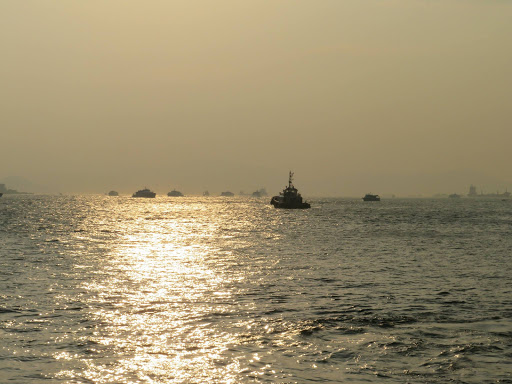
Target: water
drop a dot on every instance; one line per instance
(230, 290)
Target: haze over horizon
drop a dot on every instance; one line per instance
(390, 97)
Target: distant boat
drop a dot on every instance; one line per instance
(259, 193)
(1, 194)
(175, 193)
(227, 193)
(206, 193)
(472, 193)
(113, 193)
(454, 196)
(144, 193)
(370, 197)
(290, 198)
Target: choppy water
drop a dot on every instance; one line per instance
(231, 290)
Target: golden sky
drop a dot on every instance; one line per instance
(404, 97)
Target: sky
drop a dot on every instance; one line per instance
(410, 97)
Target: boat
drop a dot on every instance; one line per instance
(259, 193)
(113, 193)
(473, 193)
(227, 193)
(289, 198)
(370, 197)
(206, 193)
(175, 193)
(1, 194)
(454, 196)
(144, 193)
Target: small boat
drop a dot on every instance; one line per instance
(290, 198)
(113, 193)
(144, 193)
(206, 193)
(175, 193)
(227, 193)
(1, 194)
(370, 197)
(454, 196)
(259, 193)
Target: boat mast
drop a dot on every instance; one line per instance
(290, 180)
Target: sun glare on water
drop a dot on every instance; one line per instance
(155, 291)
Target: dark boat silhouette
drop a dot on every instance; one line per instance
(175, 193)
(370, 197)
(144, 193)
(259, 193)
(472, 193)
(289, 198)
(113, 193)
(227, 193)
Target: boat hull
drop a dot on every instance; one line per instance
(149, 195)
(278, 203)
(371, 198)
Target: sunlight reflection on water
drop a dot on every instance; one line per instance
(158, 293)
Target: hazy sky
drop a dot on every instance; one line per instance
(355, 96)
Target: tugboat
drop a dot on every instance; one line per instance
(144, 193)
(113, 193)
(290, 198)
(227, 194)
(369, 197)
(175, 193)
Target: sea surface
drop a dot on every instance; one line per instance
(97, 289)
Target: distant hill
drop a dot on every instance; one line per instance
(22, 185)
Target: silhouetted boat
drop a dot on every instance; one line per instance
(113, 193)
(1, 194)
(227, 193)
(472, 193)
(369, 197)
(175, 193)
(144, 193)
(454, 196)
(259, 193)
(206, 193)
(290, 198)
